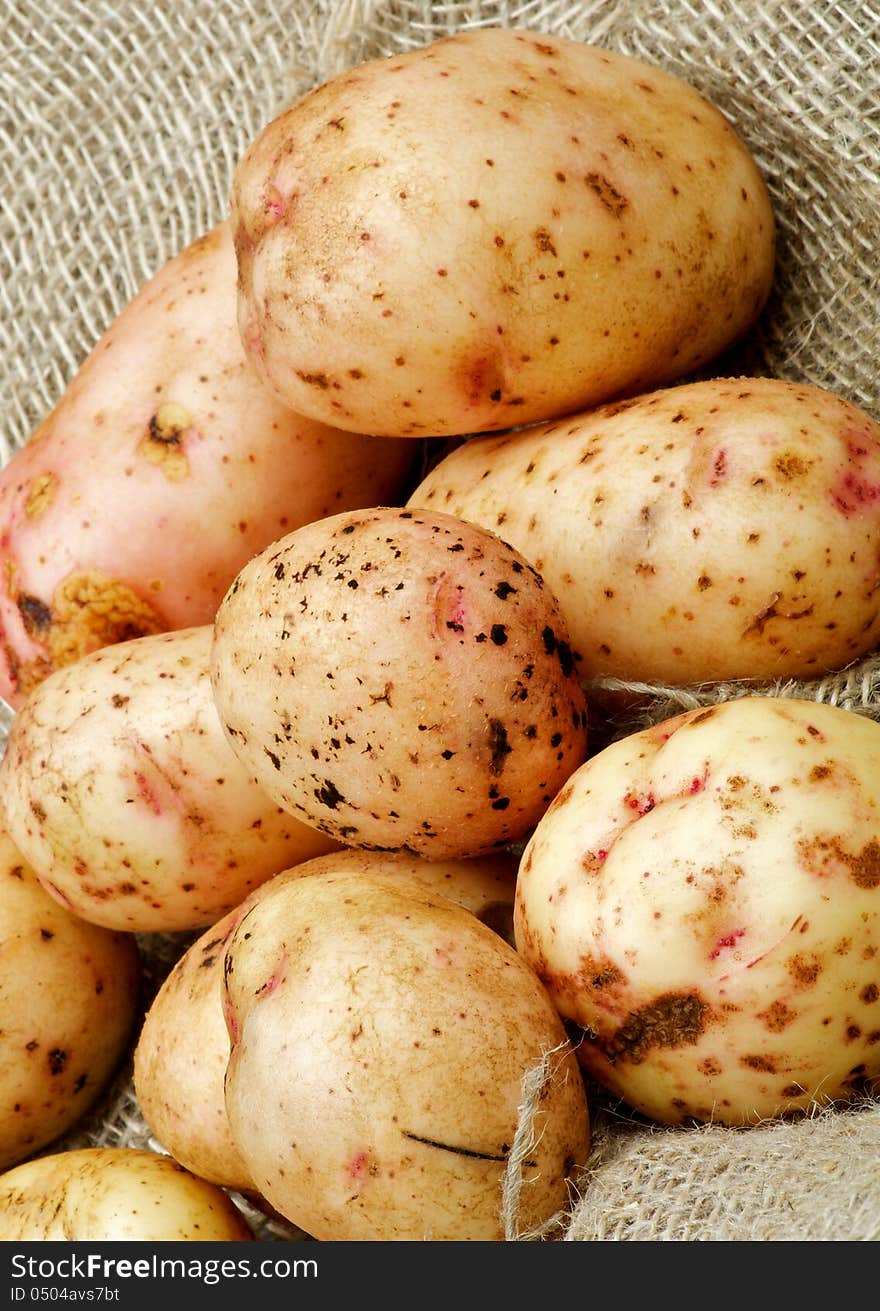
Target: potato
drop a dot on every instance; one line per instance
(494, 229)
(183, 1049)
(346, 670)
(703, 899)
(115, 1194)
(162, 469)
(720, 529)
(380, 1038)
(70, 997)
(123, 793)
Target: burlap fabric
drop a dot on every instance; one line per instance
(121, 123)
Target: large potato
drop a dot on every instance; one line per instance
(400, 679)
(491, 230)
(69, 999)
(183, 1048)
(122, 791)
(719, 529)
(703, 898)
(114, 1194)
(162, 469)
(381, 1036)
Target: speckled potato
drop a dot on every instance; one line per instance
(719, 529)
(162, 469)
(494, 229)
(703, 898)
(114, 1194)
(183, 1048)
(400, 679)
(69, 1000)
(380, 1039)
(122, 792)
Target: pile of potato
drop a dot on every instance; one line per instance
(294, 678)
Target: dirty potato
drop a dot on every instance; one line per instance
(119, 1194)
(494, 229)
(400, 679)
(703, 899)
(70, 997)
(719, 529)
(122, 791)
(381, 1036)
(183, 1048)
(162, 469)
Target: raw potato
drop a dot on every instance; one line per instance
(183, 1049)
(114, 1194)
(494, 229)
(703, 898)
(380, 1039)
(163, 468)
(400, 680)
(122, 791)
(69, 997)
(720, 529)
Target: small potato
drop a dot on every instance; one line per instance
(183, 1049)
(70, 996)
(400, 680)
(380, 1039)
(117, 1194)
(494, 229)
(162, 469)
(719, 529)
(703, 899)
(122, 791)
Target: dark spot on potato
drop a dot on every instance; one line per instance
(607, 194)
(35, 614)
(498, 745)
(804, 970)
(777, 1016)
(675, 1019)
(544, 241)
(328, 794)
(319, 380)
(498, 634)
(57, 1060)
(761, 1063)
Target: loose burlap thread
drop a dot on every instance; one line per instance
(122, 122)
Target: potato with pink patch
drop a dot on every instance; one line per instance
(163, 467)
(703, 899)
(400, 679)
(491, 230)
(381, 1039)
(720, 529)
(122, 792)
(183, 1048)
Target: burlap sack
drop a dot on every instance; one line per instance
(121, 123)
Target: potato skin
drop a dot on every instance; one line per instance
(164, 466)
(703, 898)
(380, 1036)
(183, 1047)
(494, 229)
(114, 1193)
(70, 996)
(720, 529)
(400, 679)
(122, 791)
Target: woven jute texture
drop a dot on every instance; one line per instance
(121, 124)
